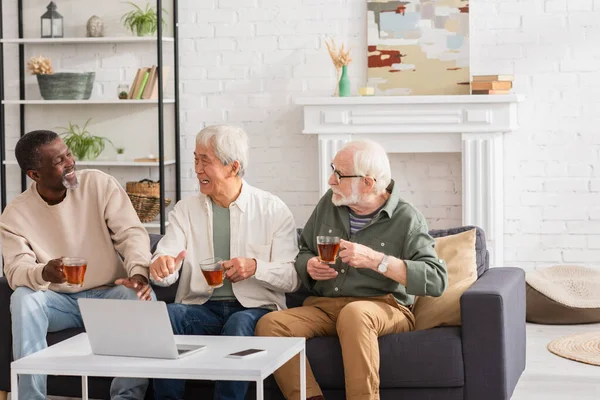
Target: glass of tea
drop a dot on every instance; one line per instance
(74, 269)
(212, 269)
(328, 248)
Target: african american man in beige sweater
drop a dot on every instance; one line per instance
(67, 213)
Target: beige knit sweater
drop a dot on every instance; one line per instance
(94, 221)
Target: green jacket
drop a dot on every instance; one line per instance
(399, 230)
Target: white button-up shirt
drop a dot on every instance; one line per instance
(261, 227)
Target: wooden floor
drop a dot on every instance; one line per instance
(547, 376)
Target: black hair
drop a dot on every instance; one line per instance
(27, 149)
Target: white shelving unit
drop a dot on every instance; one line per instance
(110, 163)
(88, 40)
(170, 155)
(95, 102)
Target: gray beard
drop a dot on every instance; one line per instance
(353, 199)
(69, 185)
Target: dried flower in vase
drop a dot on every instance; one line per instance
(40, 66)
(340, 57)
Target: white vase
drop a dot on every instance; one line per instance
(120, 157)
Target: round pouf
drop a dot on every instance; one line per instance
(582, 347)
(565, 294)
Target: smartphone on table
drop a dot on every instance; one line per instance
(247, 353)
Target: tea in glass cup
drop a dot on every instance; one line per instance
(328, 248)
(74, 269)
(212, 269)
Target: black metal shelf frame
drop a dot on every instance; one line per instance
(161, 122)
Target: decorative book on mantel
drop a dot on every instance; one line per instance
(145, 83)
(492, 84)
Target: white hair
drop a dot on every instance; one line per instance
(230, 143)
(371, 159)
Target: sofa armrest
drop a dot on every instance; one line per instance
(5, 335)
(493, 334)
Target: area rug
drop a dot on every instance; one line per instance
(582, 347)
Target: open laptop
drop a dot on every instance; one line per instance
(131, 328)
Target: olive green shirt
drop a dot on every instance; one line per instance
(399, 230)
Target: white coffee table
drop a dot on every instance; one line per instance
(74, 357)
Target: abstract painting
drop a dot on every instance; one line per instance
(418, 47)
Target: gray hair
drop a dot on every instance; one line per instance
(230, 143)
(371, 159)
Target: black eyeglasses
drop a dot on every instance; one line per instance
(339, 176)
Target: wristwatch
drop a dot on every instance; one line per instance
(382, 267)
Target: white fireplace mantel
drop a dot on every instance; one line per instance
(472, 125)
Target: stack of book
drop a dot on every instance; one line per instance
(492, 84)
(145, 84)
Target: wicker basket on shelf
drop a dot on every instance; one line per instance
(145, 197)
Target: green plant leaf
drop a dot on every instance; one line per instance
(83, 144)
(141, 20)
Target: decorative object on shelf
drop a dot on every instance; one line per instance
(66, 85)
(344, 90)
(120, 153)
(492, 84)
(366, 91)
(123, 91)
(95, 27)
(142, 22)
(60, 85)
(418, 48)
(341, 58)
(51, 23)
(40, 65)
(145, 83)
(83, 145)
(145, 197)
(149, 158)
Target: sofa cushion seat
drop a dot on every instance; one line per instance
(431, 358)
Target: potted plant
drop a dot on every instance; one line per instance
(60, 85)
(143, 22)
(82, 143)
(120, 153)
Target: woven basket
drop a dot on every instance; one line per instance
(66, 85)
(144, 187)
(146, 207)
(145, 197)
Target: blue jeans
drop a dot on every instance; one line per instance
(227, 318)
(35, 313)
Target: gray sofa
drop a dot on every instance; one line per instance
(483, 359)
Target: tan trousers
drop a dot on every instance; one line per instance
(357, 321)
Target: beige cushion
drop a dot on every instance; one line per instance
(458, 252)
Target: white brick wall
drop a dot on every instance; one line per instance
(244, 62)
